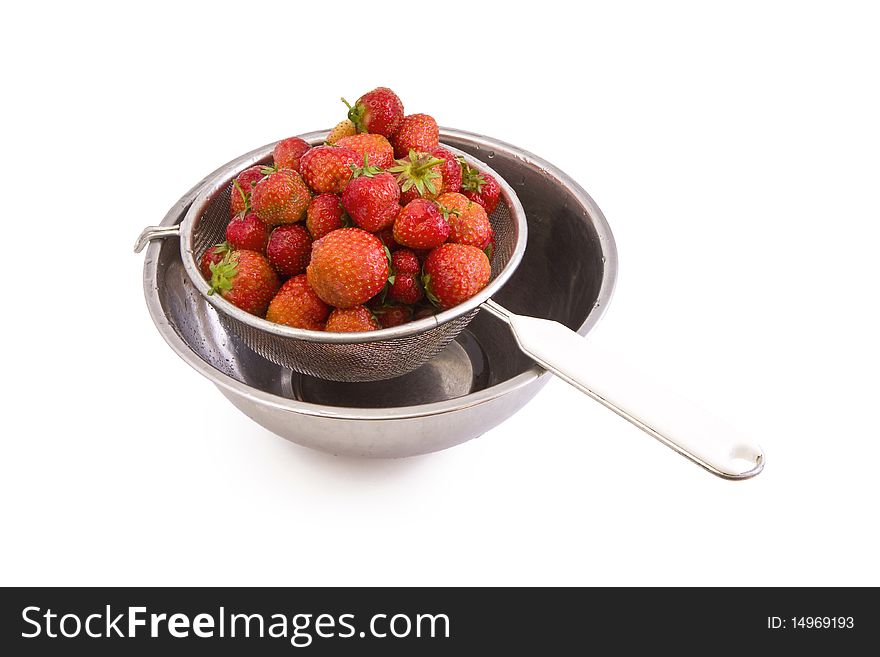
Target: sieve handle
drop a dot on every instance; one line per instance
(151, 233)
(676, 422)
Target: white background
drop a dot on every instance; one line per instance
(735, 154)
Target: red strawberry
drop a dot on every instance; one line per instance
(325, 214)
(378, 111)
(468, 221)
(281, 197)
(289, 250)
(297, 305)
(420, 225)
(405, 268)
(418, 132)
(371, 199)
(480, 187)
(351, 320)
(328, 168)
(390, 315)
(451, 169)
(348, 267)
(342, 129)
(406, 288)
(246, 279)
(387, 237)
(288, 151)
(242, 187)
(376, 148)
(248, 232)
(455, 273)
(212, 256)
(420, 175)
(405, 261)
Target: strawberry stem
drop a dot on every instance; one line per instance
(223, 273)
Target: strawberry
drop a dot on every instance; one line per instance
(371, 199)
(378, 111)
(212, 256)
(468, 221)
(405, 269)
(406, 289)
(352, 320)
(450, 171)
(420, 175)
(325, 214)
(349, 266)
(455, 273)
(420, 225)
(328, 168)
(418, 132)
(288, 151)
(297, 305)
(342, 129)
(239, 199)
(405, 262)
(480, 187)
(289, 250)
(246, 279)
(387, 237)
(391, 315)
(248, 232)
(375, 147)
(281, 197)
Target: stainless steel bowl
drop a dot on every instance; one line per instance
(479, 380)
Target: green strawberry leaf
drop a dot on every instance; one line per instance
(426, 283)
(223, 273)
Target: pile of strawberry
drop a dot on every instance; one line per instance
(378, 226)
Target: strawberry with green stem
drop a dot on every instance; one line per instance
(372, 198)
(379, 111)
(245, 279)
(480, 187)
(419, 175)
(212, 256)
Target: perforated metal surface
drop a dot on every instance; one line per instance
(349, 357)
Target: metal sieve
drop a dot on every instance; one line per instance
(347, 357)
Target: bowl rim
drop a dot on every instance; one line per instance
(177, 212)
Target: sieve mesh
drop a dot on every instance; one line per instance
(359, 357)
